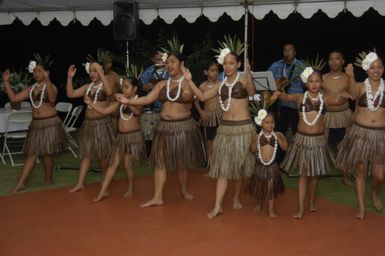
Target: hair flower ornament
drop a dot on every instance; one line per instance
(222, 55)
(87, 67)
(262, 113)
(31, 66)
(306, 73)
(368, 60)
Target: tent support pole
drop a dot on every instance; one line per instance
(245, 5)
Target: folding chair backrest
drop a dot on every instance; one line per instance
(26, 104)
(64, 107)
(7, 105)
(74, 116)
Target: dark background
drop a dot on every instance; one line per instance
(71, 44)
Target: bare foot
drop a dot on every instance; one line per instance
(313, 209)
(360, 215)
(76, 188)
(347, 182)
(298, 216)
(272, 215)
(152, 202)
(18, 188)
(237, 204)
(187, 195)
(257, 208)
(100, 196)
(376, 202)
(214, 213)
(129, 193)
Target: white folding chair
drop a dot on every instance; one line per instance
(26, 104)
(70, 126)
(17, 119)
(7, 105)
(65, 108)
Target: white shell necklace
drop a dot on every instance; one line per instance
(321, 107)
(230, 88)
(41, 95)
(122, 114)
(369, 95)
(179, 81)
(98, 88)
(259, 148)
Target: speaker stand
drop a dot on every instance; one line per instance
(127, 56)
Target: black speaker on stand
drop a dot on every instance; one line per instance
(126, 23)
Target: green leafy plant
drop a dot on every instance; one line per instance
(18, 81)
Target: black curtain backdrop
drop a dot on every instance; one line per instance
(71, 44)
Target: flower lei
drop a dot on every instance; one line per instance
(369, 95)
(99, 88)
(179, 81)
(259, 148)
(230, 88)
(41, 95)
(320, 98)
(121, 111)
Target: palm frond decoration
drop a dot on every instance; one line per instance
(234, 44)
(174, 45)
(43, 60)
(317, 64)
(132, 71)
(361, 56)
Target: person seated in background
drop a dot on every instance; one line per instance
(153, 74)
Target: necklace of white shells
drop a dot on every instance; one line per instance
(121, 111)
(259, 147)
(98, 88)
(369, 95)
(321, 107)
(230, 88)
(179, 81)
(41, 95)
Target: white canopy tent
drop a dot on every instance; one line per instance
(85, 11)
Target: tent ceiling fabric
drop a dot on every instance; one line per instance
(84, 11)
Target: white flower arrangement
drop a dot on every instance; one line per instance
(262, 113)
(31, 66)
(87, 67)
(369, 60)
(306, 73)
(222, 55)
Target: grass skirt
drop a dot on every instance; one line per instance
(96, 137)
(340, 119)
(361, 145)
(309, 154)
(46, 136)
(213, 120)
(131, 143)
(266, 182)
(231, 157)
(177, 145)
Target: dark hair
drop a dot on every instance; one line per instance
(271, 113)
(44, 65)
(236, 56)
(317, 72)
(209, 63)
(337, 51)
(290, 43)
(136, 83)
(177, 55)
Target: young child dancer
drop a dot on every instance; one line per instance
(231, 158)
(211, 113)
(46, 135)
(178, 143)
(129, 145)
(364, 142)
(308, 150)
(266, 182)
(97, 132)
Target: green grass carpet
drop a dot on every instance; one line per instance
(330, 188)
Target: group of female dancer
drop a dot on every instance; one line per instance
(237, 152)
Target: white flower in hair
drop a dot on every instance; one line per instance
(31, 66)
(222, 55)
(87, 67)
(262, 113)
(164, 56)
(369, 60)
(306, 73)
